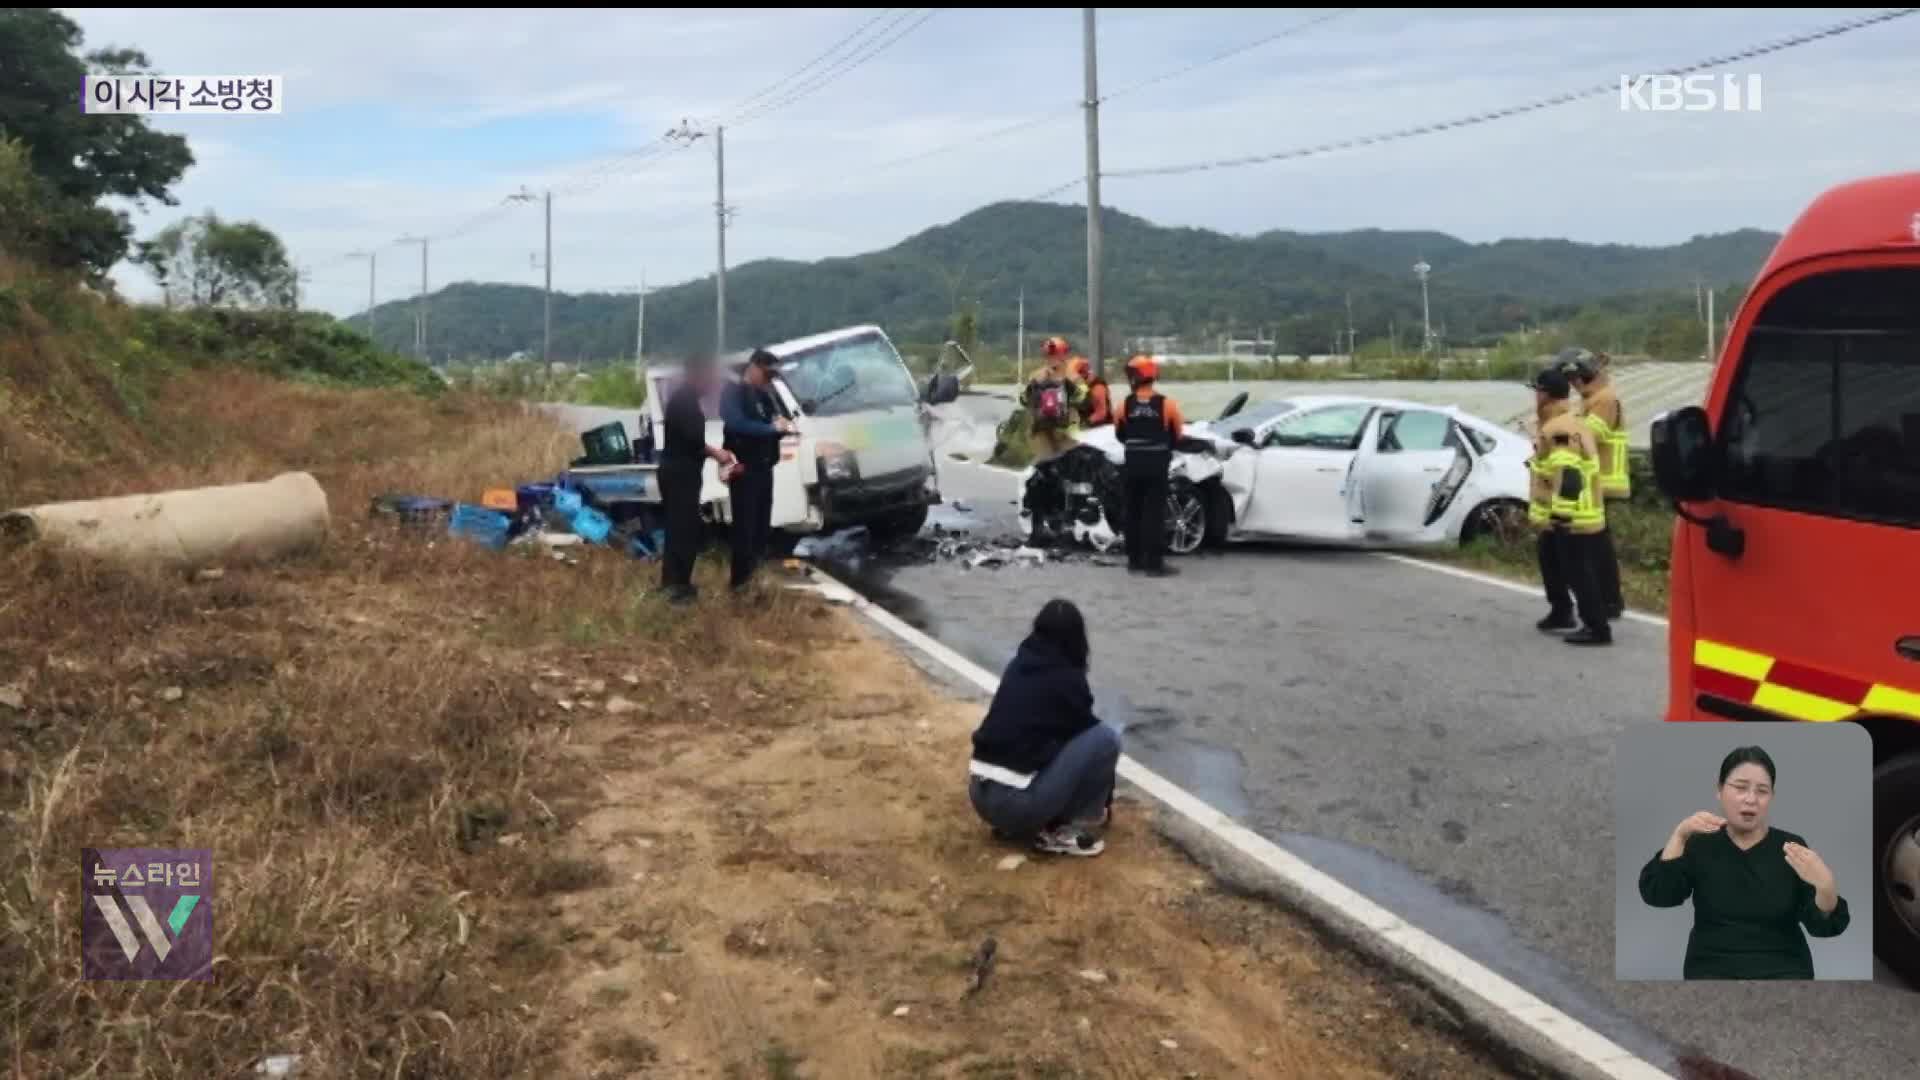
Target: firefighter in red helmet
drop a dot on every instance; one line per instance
(1148, 424)
(1053, 403)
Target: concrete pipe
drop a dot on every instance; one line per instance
(192, 528)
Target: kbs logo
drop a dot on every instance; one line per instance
(1689, 93)
(148, 914)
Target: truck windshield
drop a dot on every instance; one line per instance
(849, 376)
(1824, 417)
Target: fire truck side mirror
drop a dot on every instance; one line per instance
(1683, 454)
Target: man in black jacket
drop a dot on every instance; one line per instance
(754, 428)
(682, 461)
(1043, 764)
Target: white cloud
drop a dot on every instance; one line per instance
(576, 88)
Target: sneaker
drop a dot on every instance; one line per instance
(1555, 623)
(1586, 635)
(1067, 840)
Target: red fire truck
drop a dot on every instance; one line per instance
(1796, 556)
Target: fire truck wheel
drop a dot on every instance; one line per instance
(1896, 871)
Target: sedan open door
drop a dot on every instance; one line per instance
(1410, 467)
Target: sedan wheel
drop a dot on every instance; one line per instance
(1186, 518)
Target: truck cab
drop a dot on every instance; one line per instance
(1795, 582)
(862, 452)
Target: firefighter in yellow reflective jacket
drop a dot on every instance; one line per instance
(1566, 508)
(1600, 411)
(1053, 402)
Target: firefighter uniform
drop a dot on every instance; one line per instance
(1096, 404)
(1566, 508)
(1148, 423)
(1050, 439)
(1600, 411)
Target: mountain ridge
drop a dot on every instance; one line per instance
(1159, 281)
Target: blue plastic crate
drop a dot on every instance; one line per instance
(532, 495)
(566, 501)
(591, 525)
(488, 528)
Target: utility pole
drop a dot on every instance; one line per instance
(1710, 326)
(1020, 339)
(1352, 349)
(372, 260)
(1087, 46)
(687, 133)
(546, 311)
(640, 334)
(546, 331)
(1426, 313)
(420, 314)
(720, 236)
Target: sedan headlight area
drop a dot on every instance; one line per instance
(838, 465)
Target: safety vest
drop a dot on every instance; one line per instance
(1143, 431)
(1615, 483)
(1576, 503)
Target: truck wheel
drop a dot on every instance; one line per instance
(899, 527)
(1896, 871)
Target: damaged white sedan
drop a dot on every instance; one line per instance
(1368, 472)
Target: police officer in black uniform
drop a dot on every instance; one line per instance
(753, 429)
(683, 460)
(1148, 423)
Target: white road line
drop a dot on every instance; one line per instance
(1496, 582)
(1439, 960)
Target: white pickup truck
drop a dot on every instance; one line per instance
(862, 454)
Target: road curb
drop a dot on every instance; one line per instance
(1510, 1018)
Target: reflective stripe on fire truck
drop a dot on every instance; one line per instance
(1790, 689)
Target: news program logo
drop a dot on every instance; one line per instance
(148, 914)
(1689, 93)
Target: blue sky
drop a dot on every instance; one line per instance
(421, 121)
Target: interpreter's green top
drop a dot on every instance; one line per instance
(1748, 907)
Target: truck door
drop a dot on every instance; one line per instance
(790, 480)
(1818, 424)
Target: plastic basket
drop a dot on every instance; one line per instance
(591, 525)
(607, 444)
(566, 501)
(410, 509)
(489, 528)
(502, 499)
(534, 494)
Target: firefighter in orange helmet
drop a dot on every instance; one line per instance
(1096, 405)
(1148, 424)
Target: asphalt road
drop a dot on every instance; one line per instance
(1411, 733)
(1408, 732)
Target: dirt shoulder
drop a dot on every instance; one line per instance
(494, 814)
(804, 891)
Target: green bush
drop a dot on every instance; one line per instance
(299, 345)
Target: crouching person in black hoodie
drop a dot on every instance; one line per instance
(1043, 764)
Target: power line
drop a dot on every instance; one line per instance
(1065, 111)
(780, 84)
(844, 66)
(1229, 54)
(1489, 116)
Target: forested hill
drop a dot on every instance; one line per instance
(1159, 281)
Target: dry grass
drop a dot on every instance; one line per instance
(353, 732)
